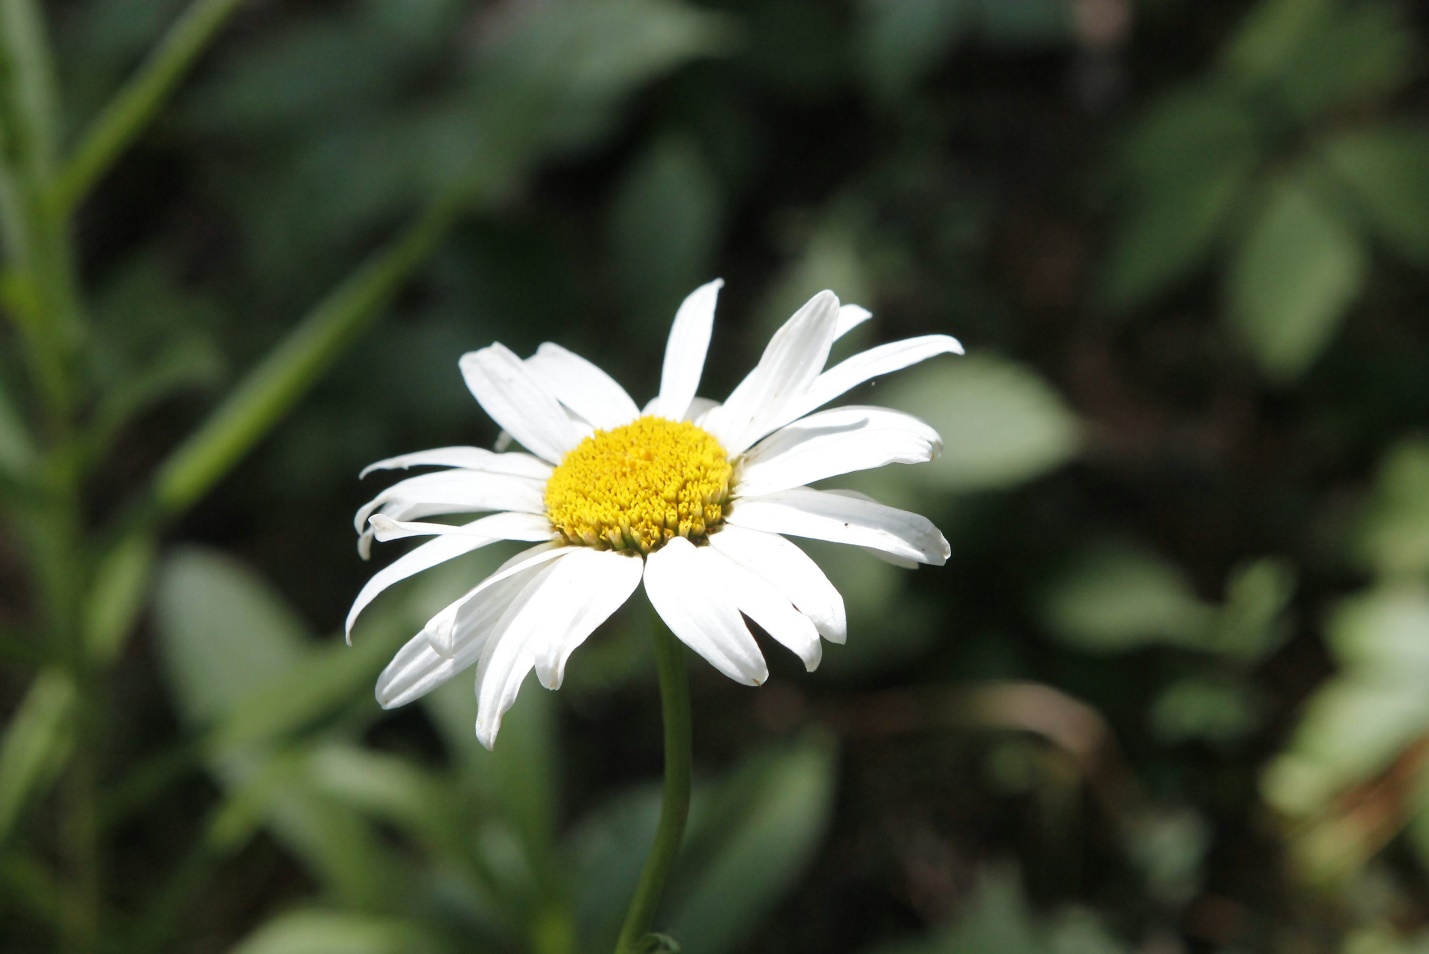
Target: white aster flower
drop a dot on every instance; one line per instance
(692, 497)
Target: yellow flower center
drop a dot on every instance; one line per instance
(638, 486)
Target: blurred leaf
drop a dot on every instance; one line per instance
(339, 932)
(1026, 22)
(607, 851)
(1384, 632)
(1361, 720)
(746, 847)
(664, 225)
(1114, 597)
(228, 640)
(17, 449)
(1320, 54)
(35, 745)
(1187, 165)
(1292, 280)
(224, 633)
(998, 920)
(1001, 423)
(1252, 622)
(1207, 710)
(1387, 168)
(1394, 535)
(903, 40)
(1169, 845)
(118, 594)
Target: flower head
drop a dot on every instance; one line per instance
(691, 497)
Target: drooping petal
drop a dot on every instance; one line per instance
(839, 518)
(463, 540)
(758, 599)
(454, 491)
(850, 317)
(792, 360)
(839, 441)
(582, 387)
(469, 458)
(685, 351)
(559, 600)
(699, 612)
(475, 610)
(595, 583)
(517, 401)
(789, 570)
(501, 526)
(463, 626)
(853, 371)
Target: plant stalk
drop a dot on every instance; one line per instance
(675, 801)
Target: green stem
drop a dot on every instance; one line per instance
(274, 386)
(140, 100)
(675, 802)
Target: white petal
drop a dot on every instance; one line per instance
(838, 441)
(688, 598)
(685, 351)
(850, 317)
(582, 387)
(415, 671)
(544, 614)
(792, 360)
(499, 526)
(462, 540)
(474, 609)
(825, 515)
(518, 402)
(455, 491)
(884, 359)
(791, 571)
(698, 407)
(470, 458)
(595, 583)
(464, 626)
(758, 599)
(424, 557)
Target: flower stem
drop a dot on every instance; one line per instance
(675, 802)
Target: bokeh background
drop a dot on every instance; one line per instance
(1170, 694)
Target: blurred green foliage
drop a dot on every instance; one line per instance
(1169, 693)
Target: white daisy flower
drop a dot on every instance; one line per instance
(692, 497)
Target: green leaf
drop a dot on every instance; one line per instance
(607, 851)
(1209, 710)
(339, 932)
(1114, 597)
(1394, 534)
(1187, 165)
(664, 225)
(223, 632)
(1387, 169)
(17, 448)
(747, 846)
(1252, 622)
(240, 664)
(998, 920)
(1315, 55)
(1293, 279)
(36, 743)
(118, 594)
(1384, 633)
(1001, 423)
(903, 40)
(1365, 717)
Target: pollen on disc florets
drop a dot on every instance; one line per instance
(638, 486)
